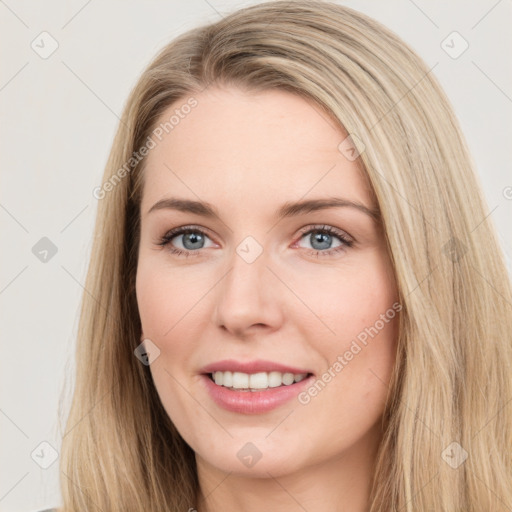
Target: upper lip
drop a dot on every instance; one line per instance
(255, 366)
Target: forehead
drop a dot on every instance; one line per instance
(250, 145)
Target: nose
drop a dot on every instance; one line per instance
(249, 298)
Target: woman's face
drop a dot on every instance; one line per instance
(270, 285)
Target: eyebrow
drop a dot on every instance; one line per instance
(289, 209)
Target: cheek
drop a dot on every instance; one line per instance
(165, 297)
(349, 298)
(359, 307)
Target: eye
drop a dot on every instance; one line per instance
(321, 239)
(192, 239)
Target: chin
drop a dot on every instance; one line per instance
(249, 461)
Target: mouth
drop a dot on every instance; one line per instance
(253, 387)
(254, 382)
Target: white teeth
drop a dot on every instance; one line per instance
(227, 379)
(218, 378)
(240, 380)
(256, 381)
(275, 379)
(288, 379)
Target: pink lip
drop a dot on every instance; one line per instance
(258, 365)
(252, 402)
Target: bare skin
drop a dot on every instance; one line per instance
(302, 302)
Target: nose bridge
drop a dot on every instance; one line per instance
(244, 283)
(247, 297)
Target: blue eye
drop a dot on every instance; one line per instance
(192, 240)
(320, 237)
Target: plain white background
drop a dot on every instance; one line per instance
(59, 115)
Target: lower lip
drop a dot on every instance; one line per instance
(253, 402)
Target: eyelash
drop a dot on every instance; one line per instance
(346, 242)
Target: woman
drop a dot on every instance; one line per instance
(293, 301)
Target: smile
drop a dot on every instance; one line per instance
(240, 381)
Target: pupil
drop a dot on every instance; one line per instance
(193, 238)
(322, 238)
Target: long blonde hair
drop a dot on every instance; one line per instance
(447, 422)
